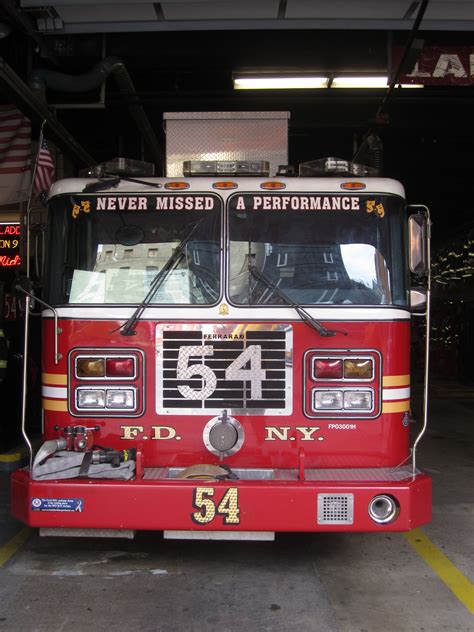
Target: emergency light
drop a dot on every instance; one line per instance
(226, 168)
(335, 167)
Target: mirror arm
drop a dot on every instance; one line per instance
(427, 315)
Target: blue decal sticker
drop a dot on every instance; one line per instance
(57, 504)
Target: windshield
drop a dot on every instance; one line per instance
(318, 249)
(109, 249)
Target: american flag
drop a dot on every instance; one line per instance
(15, 155)
(44, 173)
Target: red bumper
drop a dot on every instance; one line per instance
(203, 505)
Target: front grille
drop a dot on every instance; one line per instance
(335, 508)
(274, 361)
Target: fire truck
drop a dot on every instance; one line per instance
(226, 355)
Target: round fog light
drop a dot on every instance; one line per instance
(383, 509)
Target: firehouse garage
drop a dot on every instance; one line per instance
(236, 336)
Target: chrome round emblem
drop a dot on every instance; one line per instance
(223, 435)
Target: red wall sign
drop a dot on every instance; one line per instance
(9, 244)
(440, 65)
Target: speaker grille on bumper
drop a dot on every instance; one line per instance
(335, 508)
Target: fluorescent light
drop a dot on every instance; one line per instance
(255, 81)
(359, 82)
(410, 85)
(260, 82)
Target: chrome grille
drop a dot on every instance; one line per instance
(335, 508)
(235, 395)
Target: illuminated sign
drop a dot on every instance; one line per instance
(9, 244)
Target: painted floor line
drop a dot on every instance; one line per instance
(443, 567)
(10, 548)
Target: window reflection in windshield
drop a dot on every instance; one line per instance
(331, 257)
(99, 269)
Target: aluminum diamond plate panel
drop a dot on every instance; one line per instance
(204, 368)
(225, 136)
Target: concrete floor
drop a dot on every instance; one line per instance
(309, 583)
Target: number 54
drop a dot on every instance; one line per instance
(235, 371)
(208, 509)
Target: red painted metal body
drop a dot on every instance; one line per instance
(292, 443)
(264, 505)
(380, 442)
(232, 343)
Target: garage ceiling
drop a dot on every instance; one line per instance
(181, 55)
(107, 16)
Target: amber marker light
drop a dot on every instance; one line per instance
(353, 186)
(90, 367)
(359, 369)
(225, 185)
(177, 185)
(273, 186)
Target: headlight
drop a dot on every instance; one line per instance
(327, 400)
(360, 400)
(120, 398)
(90, 398)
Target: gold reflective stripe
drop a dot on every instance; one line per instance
(396, 407)
(395, 380)
(54, 378)
(55, 404)
(3, 364)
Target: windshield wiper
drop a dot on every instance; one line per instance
(128, 328)
(107, 181)
(305, 316)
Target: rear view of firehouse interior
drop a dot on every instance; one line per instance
(237, 316)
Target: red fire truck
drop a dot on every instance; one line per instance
(227, 355)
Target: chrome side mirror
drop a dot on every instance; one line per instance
(417, 299)
(418, 243)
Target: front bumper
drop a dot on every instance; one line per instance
(189, 505)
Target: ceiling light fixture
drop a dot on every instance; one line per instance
(280, 82)
(307, 81)
(360, 82)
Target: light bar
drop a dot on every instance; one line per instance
(226, 168)
(262, 82)
(334, 167)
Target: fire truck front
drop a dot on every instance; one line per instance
(225, 359)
